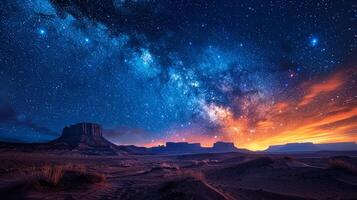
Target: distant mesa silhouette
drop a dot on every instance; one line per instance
(195, 148)
(224, 146)
(311, 147)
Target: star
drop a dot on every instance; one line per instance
(314, 41)
(42, 31)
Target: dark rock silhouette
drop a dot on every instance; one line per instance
(85, 137)
(311, 147)
(178, 147)
(224, 147)
(195, 148)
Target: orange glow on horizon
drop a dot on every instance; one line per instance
(322, 115)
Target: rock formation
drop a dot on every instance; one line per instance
(83, 134)
(195, 148)
(224, 147)
(311, 147)
(86, 137)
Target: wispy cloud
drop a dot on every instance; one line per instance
(8, 115)
(326, 86)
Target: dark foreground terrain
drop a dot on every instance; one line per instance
(202, 176)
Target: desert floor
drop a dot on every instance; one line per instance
(201, 176)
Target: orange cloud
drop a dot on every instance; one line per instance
(327, 86)
(281, 106)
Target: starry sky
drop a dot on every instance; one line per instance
(255, 73)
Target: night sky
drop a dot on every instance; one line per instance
(255, 73)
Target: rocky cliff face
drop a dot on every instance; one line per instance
(85, 137)
(224, 147)
(83, 129)
(83, 133)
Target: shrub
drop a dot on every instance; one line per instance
(51, 174)
(62, 176)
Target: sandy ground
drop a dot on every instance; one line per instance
(205, 176)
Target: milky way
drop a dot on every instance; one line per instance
(255, 73)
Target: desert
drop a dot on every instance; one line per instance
(197, 176)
